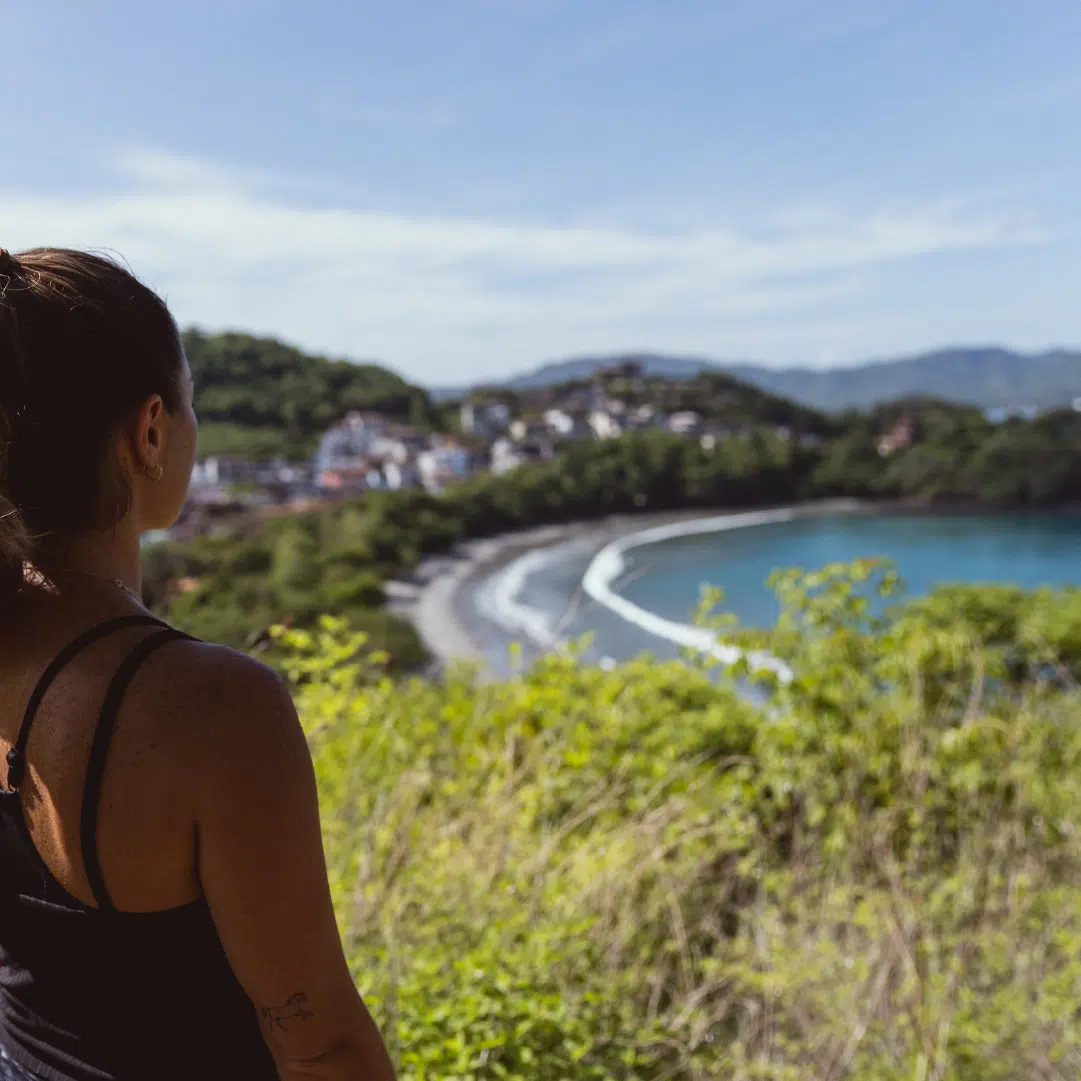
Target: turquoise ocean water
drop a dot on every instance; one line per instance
(1035, 550)
(543, 599)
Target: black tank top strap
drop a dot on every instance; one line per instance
(16, 757)
(99, 751)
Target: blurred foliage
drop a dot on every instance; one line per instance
(301, 565)
(956, 457)
(260, 398)
(295, 567)
(639, 874)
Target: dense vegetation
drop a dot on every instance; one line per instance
(639, 873)
(259, 398)
(337, 560)
(635, 874)
(956, 457)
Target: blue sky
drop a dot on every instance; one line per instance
(466, 188)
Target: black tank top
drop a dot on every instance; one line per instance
(95, 994)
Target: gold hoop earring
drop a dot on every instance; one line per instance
(157, 476)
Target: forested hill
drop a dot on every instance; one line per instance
(718, 397)
(259, 397)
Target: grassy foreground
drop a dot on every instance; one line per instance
(637, 874)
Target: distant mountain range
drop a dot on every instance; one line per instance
(986, 377)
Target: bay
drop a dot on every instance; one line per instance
(666, 578)
(927, 550)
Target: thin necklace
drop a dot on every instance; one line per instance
(100, 578)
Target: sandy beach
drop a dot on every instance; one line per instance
(429, 596)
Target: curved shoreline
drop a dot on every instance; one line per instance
(610, 562)
(430, 598)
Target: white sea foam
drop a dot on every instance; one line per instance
(498, 599)
(610, 562)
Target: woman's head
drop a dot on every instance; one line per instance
(96, 422)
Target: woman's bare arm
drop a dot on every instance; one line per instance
(264, 875)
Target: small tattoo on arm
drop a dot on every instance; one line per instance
(290, 1014)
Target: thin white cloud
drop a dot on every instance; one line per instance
(649, 30)
(443, 298)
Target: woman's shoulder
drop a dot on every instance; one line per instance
(226, 670)
(219, 693)
(238, 732)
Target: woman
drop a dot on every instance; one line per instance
(164, 907)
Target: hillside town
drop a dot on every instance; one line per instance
(368, 450)
(486, 432)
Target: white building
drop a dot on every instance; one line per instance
(561, 423)
(644, 416)
(389, 449)
(400, 475)
(686, 422)
(504, 456)
(604, 425)
(442, 463)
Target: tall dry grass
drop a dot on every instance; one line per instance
(638, 874)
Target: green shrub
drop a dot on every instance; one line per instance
(638, 874)
(362, 589)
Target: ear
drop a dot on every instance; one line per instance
(150, 437)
